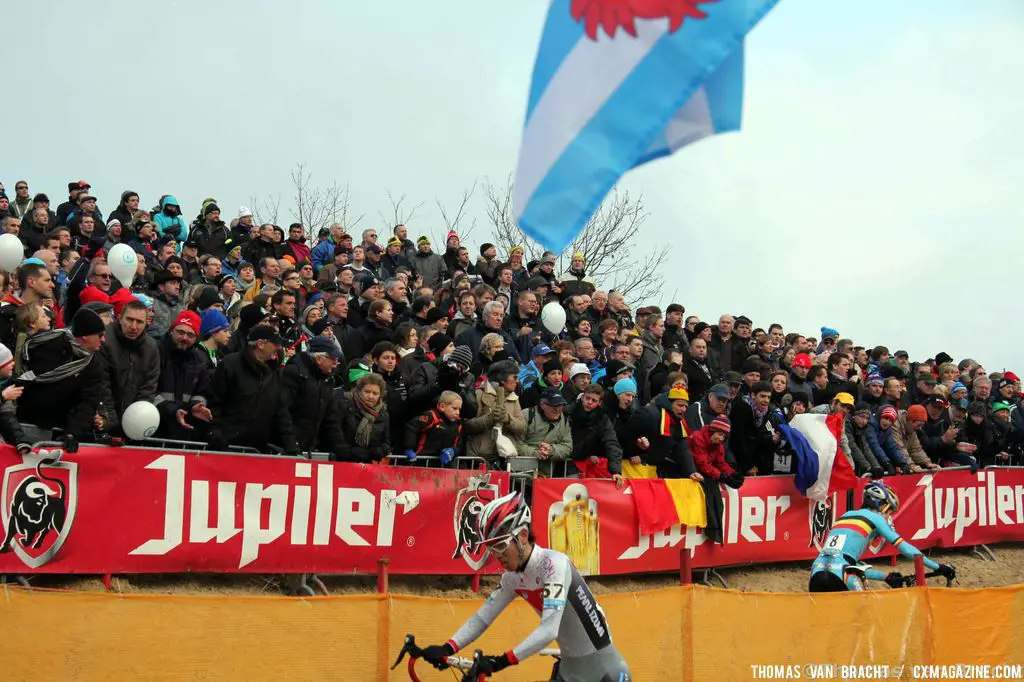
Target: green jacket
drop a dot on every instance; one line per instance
(539, 430)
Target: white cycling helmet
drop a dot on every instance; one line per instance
(503, 518)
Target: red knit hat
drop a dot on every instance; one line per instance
(916, 413)
(720, 423)
(189, 319)
(889, 412)
(802, 360)
(1011, 376)
(120, 298)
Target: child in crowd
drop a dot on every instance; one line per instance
(436, 432)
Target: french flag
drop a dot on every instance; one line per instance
(821, 465)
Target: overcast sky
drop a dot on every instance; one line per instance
(874, 187)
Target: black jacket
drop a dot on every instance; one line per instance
(184, 382)
(397, 398)
(594, 436)
(248, 405)
(380, 445)
(700, 378)
(473, 336)
(363, 339)
(309, 394)
(431, 378)
(430, 433)
(257, 249)
(70, 403)
(133, 367)
(670, 453)
(752, 445)
(210, 239)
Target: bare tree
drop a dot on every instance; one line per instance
(319, 207)
(400, 211)
(456, 220)
(608, 243)
(265, 211)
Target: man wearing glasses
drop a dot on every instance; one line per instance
(22, 204)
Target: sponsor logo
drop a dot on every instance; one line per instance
(469, 502)
(821, 516)
(40, 497)
(983, 504)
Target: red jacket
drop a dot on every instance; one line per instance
(298, 250)
(709, 458)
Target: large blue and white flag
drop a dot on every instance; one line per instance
(619, 83)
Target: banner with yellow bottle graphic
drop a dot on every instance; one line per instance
(575, 530)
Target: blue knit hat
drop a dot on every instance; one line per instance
(211, 322)
(627, 385)
(875, 378)
(957, 387)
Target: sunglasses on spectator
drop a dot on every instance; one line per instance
(102, 275)
(21, 187)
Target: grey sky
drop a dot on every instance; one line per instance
(873, 188)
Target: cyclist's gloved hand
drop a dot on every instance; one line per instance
(894, 580)
(435, 655)
(877, 472)
(410, 455)
(447, 455)
(488, 665)
(946, 571)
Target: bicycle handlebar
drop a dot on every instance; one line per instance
(469, 666)
(897, 580)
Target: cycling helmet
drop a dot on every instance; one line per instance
(877, 496)
(503, 518)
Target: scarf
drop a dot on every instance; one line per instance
(364, 431)
(667, 420)
(65, 371)
(759, 412)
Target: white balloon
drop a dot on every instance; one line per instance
(140, 420)
(123, 263)
(12, 252)
(553, 318)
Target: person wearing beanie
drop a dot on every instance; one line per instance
(707, 446)
(487, 264)
(132, 358)
(497, 406)
(428, 265)
(550, 377)
(856, 429)
(440, 345)
(579, 379)
(70, 378)
(448, 371)
(208, 298)
(905, 432)
(882, 442)
(659, 436)
(393, 257)
(215, 332)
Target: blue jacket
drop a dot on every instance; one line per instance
(883, 444)
(167, 224)
(323, 253)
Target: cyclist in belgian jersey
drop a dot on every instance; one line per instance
(838, 566)
(547, 580)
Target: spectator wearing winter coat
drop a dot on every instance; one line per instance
(169, 221)
(700, 375)
(798, 382)
(296, 246)
(308, 387)
(856, 429)
(671, 364)
(661, 434)
(487, 264)
(843, 404)
(497, 405)
(374, 329)
(167, 301)
(883, 444)
(247, 400)
(551, 377)
(465, 318)
(428, 265)
(212, 234)
(69, 377)
(447, 372)
(10, 427)
(490, 321)
(365, 423)
(531, 371)
(977, 430)
(132, 358)
(265, 246)
(938, 436)
(751, 440)
(905, 430)
(548, 435)
(704, 411)
(437, 433)
(596, 450)
(75, 189)
(323, 253)
(707, 447)
(384, 356)
(654, 330)
(126, 209)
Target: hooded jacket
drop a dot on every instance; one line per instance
(667, 436)
(594, 435)
(431, 267)
(708, 457)
(122, 213)
(210, 239)
(172, 225)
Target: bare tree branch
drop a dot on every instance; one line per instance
(400, 212)
(265, 211)
(608, 243)
(456, 220)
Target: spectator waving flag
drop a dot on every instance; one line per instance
(821, 465)
(618, 83)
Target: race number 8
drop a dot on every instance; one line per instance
(836, 542)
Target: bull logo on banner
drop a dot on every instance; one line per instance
(469, 502)
(822, 515)
(40, 497)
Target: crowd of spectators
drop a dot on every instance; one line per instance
(377, 346)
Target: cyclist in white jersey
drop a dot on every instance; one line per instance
(549, 582)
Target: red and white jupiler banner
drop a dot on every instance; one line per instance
(768, 520)
(129, 510)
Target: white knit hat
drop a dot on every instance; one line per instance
(6, 357)
(244, 211)
(577, 369)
